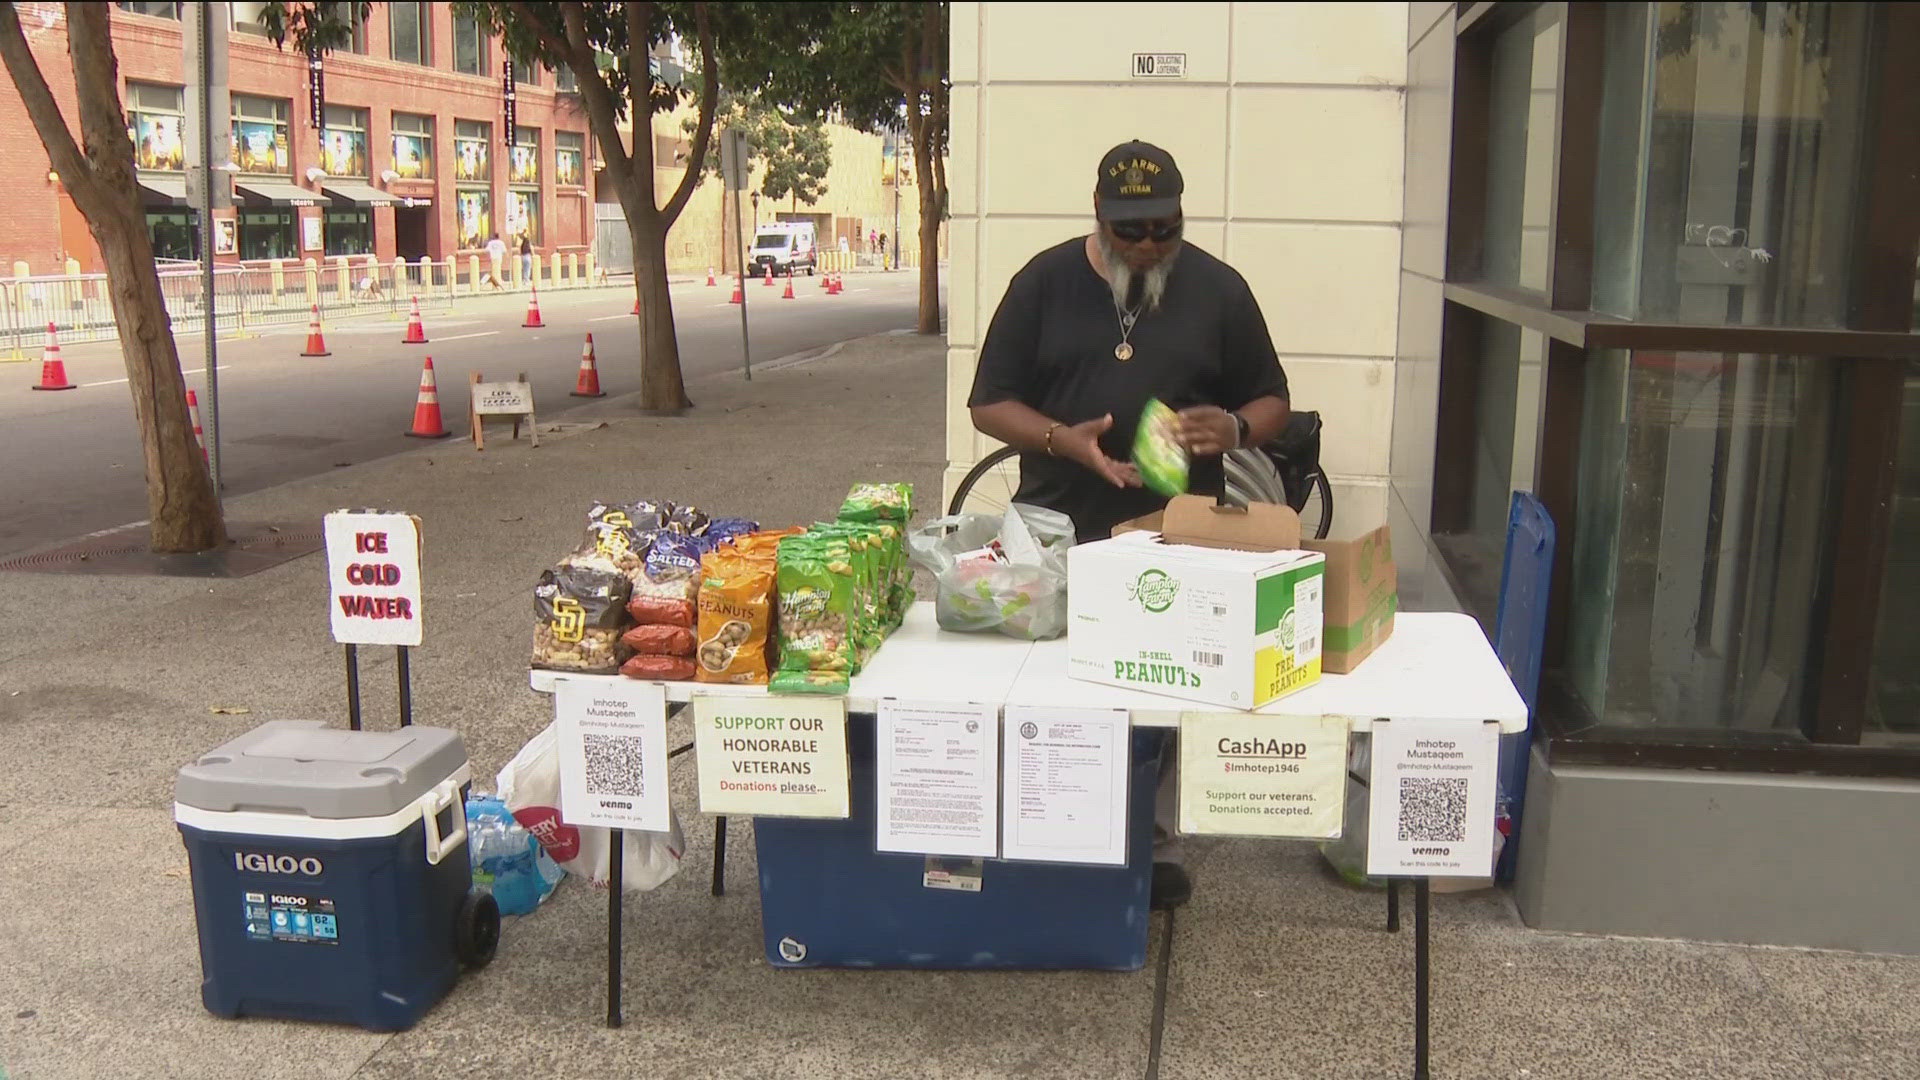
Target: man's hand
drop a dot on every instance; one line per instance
(1208, 429)
(1081, 443)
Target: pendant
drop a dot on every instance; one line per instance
(1123, 352)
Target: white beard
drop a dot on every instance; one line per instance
(1121, 277)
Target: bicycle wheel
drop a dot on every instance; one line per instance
(1316, 510)
(988, 487)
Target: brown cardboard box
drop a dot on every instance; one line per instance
(1362, 596)
(1198, 520)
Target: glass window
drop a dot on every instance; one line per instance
(343, 141)
(175, 234)
(1732, 137)
(413, 146)
(357, 24)
(526, 73)
(409, 38)
(1522, 104)
(472, 145)
(564, 81)
(525, 165)
(260, 134)
(246, 18)
(158, 11)
(1893, 686)
(154, 122)
(267, 234)
(523, 218)
(569, 158)
(348, 232)
(1702, 489)
(1509, 382)
(469, 46)
(473, 217)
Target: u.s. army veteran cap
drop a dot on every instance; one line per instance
(1138, 182)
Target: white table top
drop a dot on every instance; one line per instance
(1436, 666)
(920, 662)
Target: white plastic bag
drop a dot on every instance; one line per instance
(1023, 596)
(530, 786)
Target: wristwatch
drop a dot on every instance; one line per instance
(1245, 429)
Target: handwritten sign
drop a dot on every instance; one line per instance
(502, 398)
(772, 756)
(373, 577)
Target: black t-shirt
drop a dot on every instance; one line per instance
(1050, 346)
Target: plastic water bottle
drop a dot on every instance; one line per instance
(506, 858)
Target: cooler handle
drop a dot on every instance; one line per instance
(442, 796)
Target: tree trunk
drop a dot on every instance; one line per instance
(181, 507)
(662, 390)
(929, 321)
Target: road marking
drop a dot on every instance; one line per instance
(604, 318)
(462, 337)
(116, 382)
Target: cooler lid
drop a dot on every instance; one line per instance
(306, 767)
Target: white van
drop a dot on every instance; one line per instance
(787, 247)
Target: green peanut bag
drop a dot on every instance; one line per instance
(1157, 453)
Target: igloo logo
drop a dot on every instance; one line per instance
(254, 862)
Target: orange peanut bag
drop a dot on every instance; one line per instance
(736, 614)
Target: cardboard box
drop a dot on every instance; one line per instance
(1210, 604)
(1362, 595)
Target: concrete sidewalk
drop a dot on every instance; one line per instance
(1276, 968)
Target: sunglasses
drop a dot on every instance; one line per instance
(1135, 231)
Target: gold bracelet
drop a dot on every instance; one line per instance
(1051, 428)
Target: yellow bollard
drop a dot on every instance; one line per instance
(573, 268)
(453, 277)
(513, 270)
(473, 274)
(20, 268)
(313, 281)
(279, 277)
(343, 279)
(590, 275)
(553, 269)
(424, 267)
(400, 278)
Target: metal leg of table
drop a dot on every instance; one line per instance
(616, 891)
(1421, 905)
(1393, 906)
(720, 856)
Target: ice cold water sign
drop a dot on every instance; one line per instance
(373, 577)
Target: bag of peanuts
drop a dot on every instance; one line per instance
(579, 612)
(736, 616)
(814, 580)
(619, 534)
(671, 570)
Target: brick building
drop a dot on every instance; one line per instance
(410, 156)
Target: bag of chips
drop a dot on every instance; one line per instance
(814, 585)
(580, 612)
(736, 617)
(878, 502)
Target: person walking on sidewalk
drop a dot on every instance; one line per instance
(526, 259)
(496, 261)
(1090, 331)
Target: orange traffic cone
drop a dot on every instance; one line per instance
(533, 309)
(316, 342)
(710, 281)
(589, 384)
(636, 305)
(426, 408)
(768, 280)
(739, 294)
(788, 295)
(825, 279)
(833, 284)
(416, 331)
(193, 410)
(53, 370)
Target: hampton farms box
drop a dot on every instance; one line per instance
(1362, 596)
(1215, 607)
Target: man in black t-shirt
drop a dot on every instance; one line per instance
(1088, 333)
(1092, 329)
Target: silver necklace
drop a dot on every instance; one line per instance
(1123, 352)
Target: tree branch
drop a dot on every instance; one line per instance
(45, 113)
(709, 100)
(640, 96)
(96, 80)
(602, 113)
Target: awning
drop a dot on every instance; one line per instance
(267, 193)
(163, 190)
(357, 194)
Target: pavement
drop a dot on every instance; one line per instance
(1276, 968)
(73, 461)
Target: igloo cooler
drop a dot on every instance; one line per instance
(330, 873)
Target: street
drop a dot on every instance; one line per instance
(73, 462)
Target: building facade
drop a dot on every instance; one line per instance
(1653, 262)
(409, 155)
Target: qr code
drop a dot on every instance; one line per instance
(613, 765)
(1433, 809)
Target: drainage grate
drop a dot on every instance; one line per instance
(255, 546)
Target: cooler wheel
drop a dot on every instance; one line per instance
(477, 931)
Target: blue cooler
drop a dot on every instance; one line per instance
(330, 875)
(828, 899)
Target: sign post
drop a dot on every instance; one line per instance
(373, 586)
